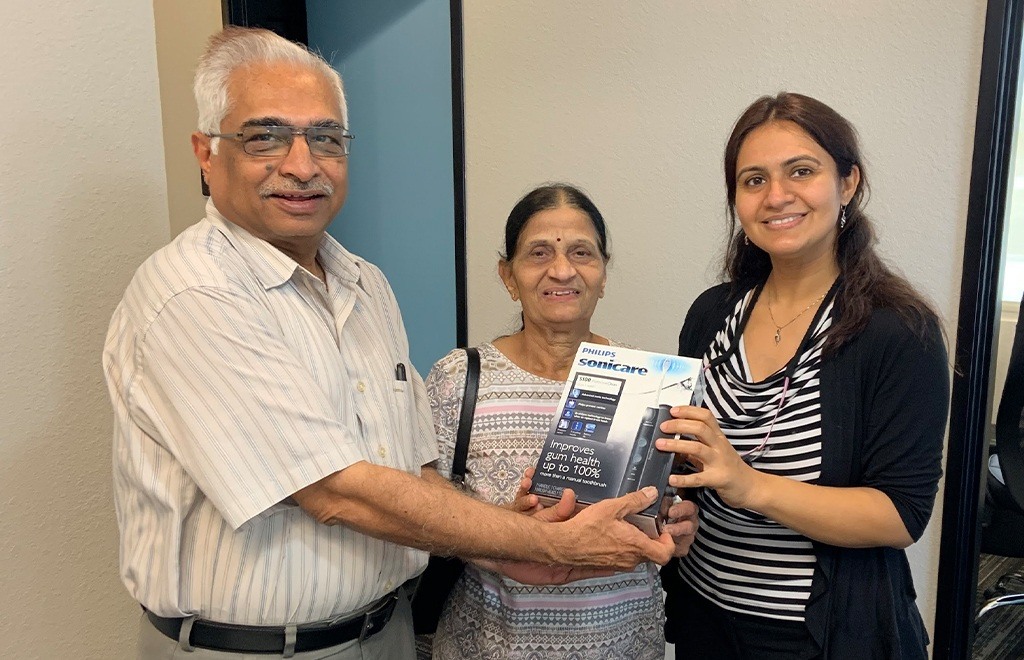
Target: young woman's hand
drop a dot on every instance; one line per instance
(717, 463)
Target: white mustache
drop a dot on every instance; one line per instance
(291, 187)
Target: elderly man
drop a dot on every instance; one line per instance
(271, 436)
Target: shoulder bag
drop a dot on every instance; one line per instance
(442, 573)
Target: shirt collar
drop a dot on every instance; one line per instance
(273, 267)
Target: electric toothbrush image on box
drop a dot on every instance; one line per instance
(647, 466)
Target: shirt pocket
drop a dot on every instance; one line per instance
(402, 417)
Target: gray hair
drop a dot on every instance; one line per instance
(235, 47)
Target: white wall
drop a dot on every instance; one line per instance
(634, 101)
(82, 202)
(182, 29)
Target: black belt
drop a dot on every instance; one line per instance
(272, 639)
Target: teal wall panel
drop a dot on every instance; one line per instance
(395, 60)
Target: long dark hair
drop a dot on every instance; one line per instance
(544, 198)
(865, 280)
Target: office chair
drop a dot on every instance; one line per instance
(1002, 531)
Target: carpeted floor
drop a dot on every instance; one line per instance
(1001, 633)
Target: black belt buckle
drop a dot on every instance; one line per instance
(375, 620)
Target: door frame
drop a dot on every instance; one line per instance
(288, 18)
(977, 324)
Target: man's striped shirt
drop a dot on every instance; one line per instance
(238, 378)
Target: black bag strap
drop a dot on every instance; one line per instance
(466, 417)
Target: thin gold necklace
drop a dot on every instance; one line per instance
(778, 328)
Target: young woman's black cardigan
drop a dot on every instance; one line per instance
(884, 403)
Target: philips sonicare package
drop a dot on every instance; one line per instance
(601, 441)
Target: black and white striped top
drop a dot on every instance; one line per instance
(742, 560)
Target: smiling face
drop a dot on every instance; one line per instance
(287, 200)
(557, 270)
(789, 194)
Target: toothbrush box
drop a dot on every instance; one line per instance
(601, 441)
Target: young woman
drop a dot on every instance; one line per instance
(817, 454)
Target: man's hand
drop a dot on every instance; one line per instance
(530, 504)
(561, 511)
(599, 537)
(399, 507)
(680, 533)
(540, 574)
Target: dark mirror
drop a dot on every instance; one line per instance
(982, 554)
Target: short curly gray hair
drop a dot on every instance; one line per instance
(235, 47)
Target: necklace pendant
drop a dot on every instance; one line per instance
(778, 336)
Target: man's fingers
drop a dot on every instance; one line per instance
(635, 502)
(543, 574)
(566, 504)
(662, 549)
(576, 573)
(560, 512)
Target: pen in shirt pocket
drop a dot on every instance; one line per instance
(400, 377)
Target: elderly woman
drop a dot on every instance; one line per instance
(818, 451)
(555, 265)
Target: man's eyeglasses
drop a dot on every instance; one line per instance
(276, 141)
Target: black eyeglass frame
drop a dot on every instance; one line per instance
(287, 135)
